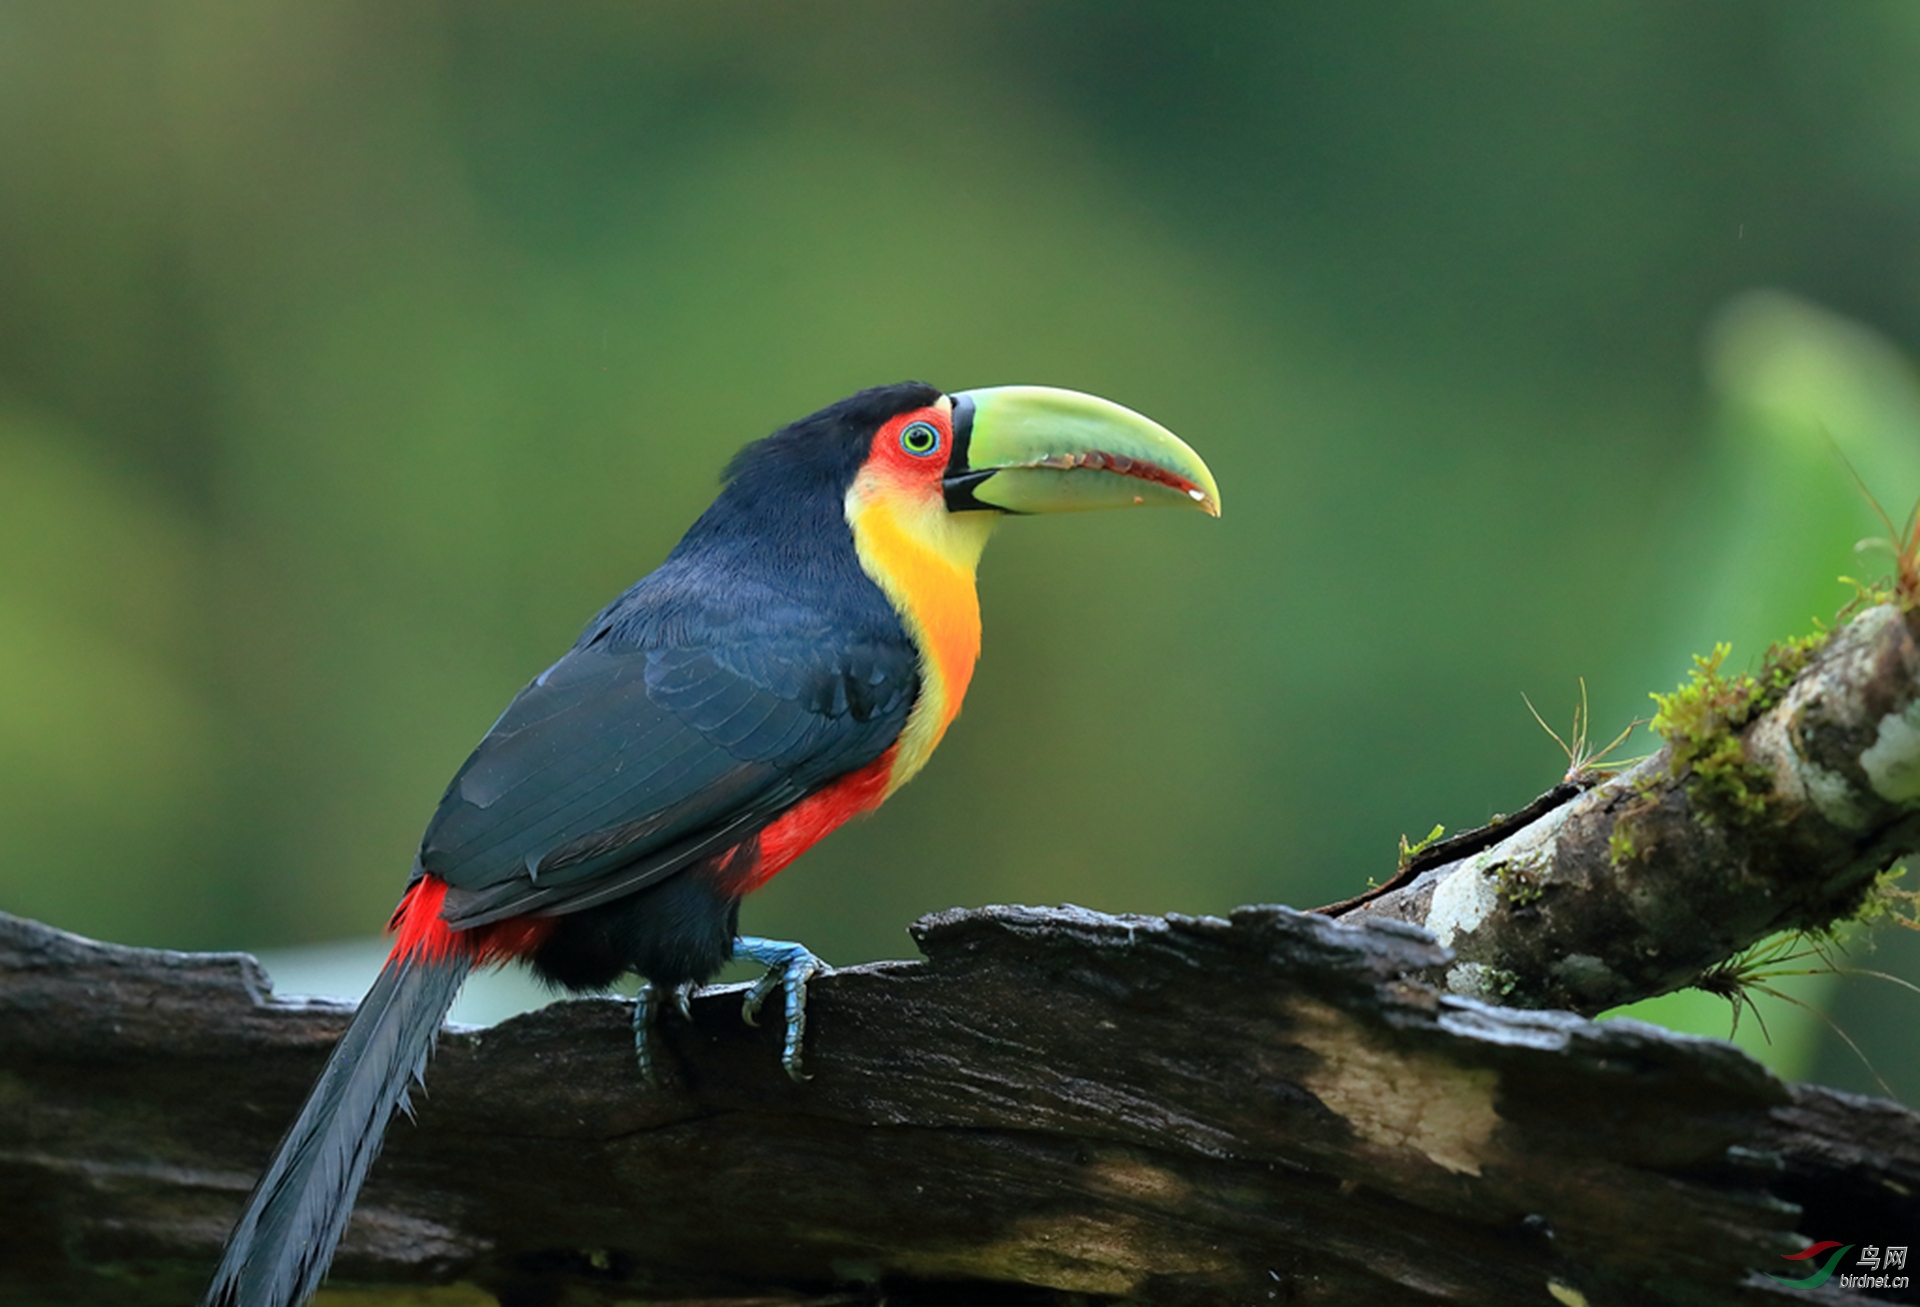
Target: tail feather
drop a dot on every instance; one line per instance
(279, 1251)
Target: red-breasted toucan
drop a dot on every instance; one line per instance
(793, 662)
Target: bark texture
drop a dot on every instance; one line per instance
(1055, 1107)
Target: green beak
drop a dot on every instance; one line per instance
(1035, 449)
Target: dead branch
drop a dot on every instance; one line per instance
(1056, 1106)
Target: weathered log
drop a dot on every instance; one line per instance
(1056, 1106)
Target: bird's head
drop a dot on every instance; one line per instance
(940, 469)
(945, 467)
(1030, 449)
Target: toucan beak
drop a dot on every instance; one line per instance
(1035, 449)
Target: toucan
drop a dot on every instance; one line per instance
(793, 662)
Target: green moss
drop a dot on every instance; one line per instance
(1407, 851)
(1782, 667)
(1620, 846)
(1886, 903)
(1520, 882)
(1701, 722)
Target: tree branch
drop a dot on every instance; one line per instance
(1055, 1103)
(1060, 1106)
(1638, 883)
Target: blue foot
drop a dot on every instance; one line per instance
(646, 1012)
(790, 965)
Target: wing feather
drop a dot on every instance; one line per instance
(662, 738)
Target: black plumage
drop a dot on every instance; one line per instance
(300, 1206)
(757, 665)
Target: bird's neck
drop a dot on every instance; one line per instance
(923, 558)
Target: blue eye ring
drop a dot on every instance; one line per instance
(921, 439)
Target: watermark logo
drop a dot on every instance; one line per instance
(1821, 1274)
(1872, 1266)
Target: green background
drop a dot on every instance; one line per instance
(353, 354)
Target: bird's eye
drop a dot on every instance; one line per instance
(920, 438)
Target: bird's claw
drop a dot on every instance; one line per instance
(757, 995)
(646, 1014)
(790, 965)
(645, 1008)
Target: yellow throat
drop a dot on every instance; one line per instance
(923, 558)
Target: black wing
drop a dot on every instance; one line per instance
(666, 735)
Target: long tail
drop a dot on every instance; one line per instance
(279, 1251)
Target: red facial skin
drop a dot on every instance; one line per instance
(916, 475)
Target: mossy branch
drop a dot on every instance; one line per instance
(1774, 804)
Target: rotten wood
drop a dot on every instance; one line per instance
(1056, 1106)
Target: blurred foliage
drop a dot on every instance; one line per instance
(352, 355)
